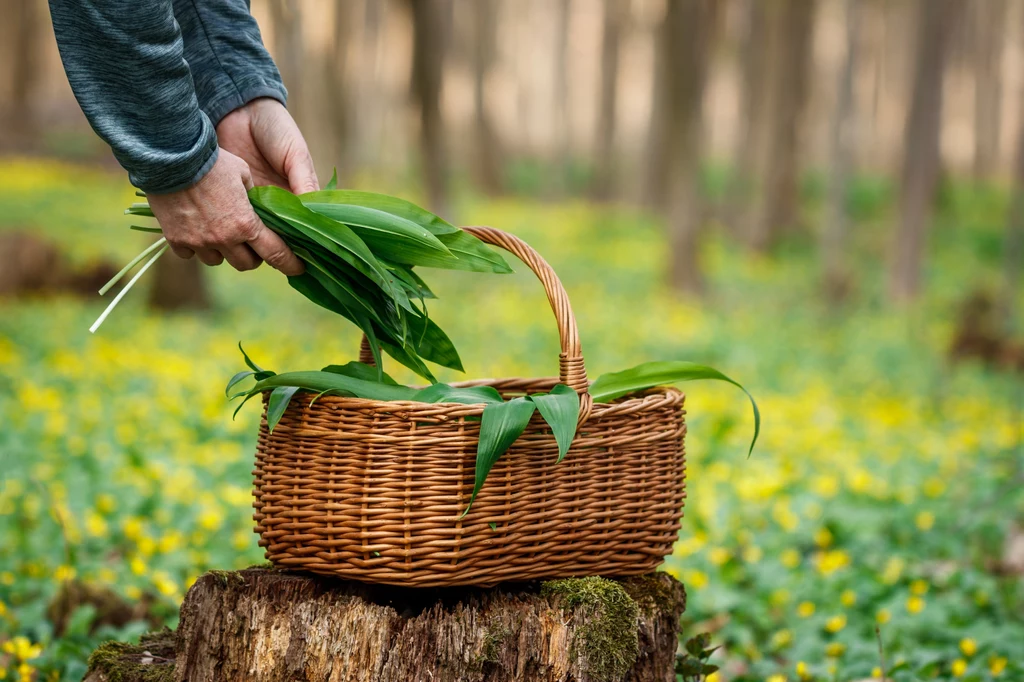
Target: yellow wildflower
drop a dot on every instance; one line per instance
(836, 623)
(831, 561)
(752, 554)
(883, 616)
(848, 598)
(805, 609)
(959, 667)
(698, 580)
(782, 639)
(801, 670)
(835, 649)
(876, 673)
(925, 520)
(790, 558)
(776, 678)
(893, 570)
(919, 588)
(968, 646)
(915, 605)
(718, 555)
(996, 665)
(823, 537)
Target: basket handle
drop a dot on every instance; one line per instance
(571, 370)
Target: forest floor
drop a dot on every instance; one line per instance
(885, 490)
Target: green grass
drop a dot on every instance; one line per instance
(883, 488)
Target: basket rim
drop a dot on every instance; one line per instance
(628, 403)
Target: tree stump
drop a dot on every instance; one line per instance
(262, 625)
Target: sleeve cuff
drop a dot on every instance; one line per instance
(233, 99)
(182, 176)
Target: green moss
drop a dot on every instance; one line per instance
(650, 592)
(122, 662)
(227, 576)
(606, 641)
(492, 642)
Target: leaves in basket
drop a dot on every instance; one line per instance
(561, 410)
(500, 427)
(278, 403)
(360, 370)
(614, 385)
(469, 395)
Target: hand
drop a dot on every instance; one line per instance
(265, 136)
(214, 220)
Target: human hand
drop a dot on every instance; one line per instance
(264, 135)
(214, 220)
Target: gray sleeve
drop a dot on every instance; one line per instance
(125, 61)
(224, 49)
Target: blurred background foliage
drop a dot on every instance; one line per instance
(823, 198)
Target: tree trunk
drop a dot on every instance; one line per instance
(754, 133)
(655, 187)
(428, 24)
(936, 19)
(336, 89)
(776, 204)
(989, 34)
(260, 625)
(488, 147)
(1013, 249)
(23, 56)
(836, 276)
(690, 31)
(616, 13)
(563, 128)
(289, 54)
(179, 284)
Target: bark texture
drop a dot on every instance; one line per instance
(260, 625)
(428, 53)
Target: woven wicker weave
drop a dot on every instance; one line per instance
(374, 491)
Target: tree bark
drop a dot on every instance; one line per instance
(836, 275)
(488, 146)
(989, 36)
(656, 170)
(690, 30)
(24, 21)
(260, 625)
(289, 52)
(179, 284)
(1013, 248)
(428, 24)
(935, 20)
(563, 128)
(336, 89)
(616, 13)
(777, 202)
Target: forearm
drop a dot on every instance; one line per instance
(224, 49)
(125, 62)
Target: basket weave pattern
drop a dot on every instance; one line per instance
(375, 491)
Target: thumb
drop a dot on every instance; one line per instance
(301, 173)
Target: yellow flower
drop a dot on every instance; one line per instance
(996, 665)
(776, 678)
(831, 561)
(779, 597)
(835, 649)
(698, 580)
(919, 588)
(959, 667)
(105, 503)
(63, 572)
(718, 555)
(915, 605)
(934, 487)
(835, 623)
(790, 558)
(782, 639)
(805, 609)
(752, 554)
(164, 584)
(713, 677)
(22, 649)
(925, 520)
(883, 616)
(892, 571)
(6, 578)
(848, 598)
(876, 673)
(138, 566)
(968, 646)
(801, 670)
(823, 537)
(25, 672)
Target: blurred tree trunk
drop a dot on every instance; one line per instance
(989, 34)
(21, 37)
(428, 23)
(179, 284)
(935, 21)
(754, 122)
(336, 89)
(488, 147)
(654, 194)
(834, 234)
(1013, 249)
(616, 13)
(689, 29)
(288, 43)
(563, 148)
(776, 204)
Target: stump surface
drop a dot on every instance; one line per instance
(261, 625)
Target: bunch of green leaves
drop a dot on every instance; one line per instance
(360, 249)
(692, 663)
(502, 422)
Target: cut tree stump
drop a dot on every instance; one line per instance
(261, 625)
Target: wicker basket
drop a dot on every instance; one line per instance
(374, 491)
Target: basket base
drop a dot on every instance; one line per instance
(263, 625)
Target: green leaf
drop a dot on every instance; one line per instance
(501, 425)
(253, 366)
(235, 380)
(614, 385)
(315, 382)
(388, 204)
(280, 397)
(333, 182)
(359, 370)
(432, 344)
(143, 228)
(469, 395)
(493, 525)
(473, 255)
(561, 410)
